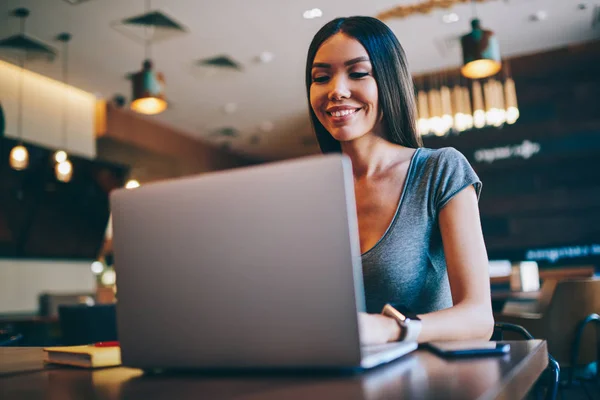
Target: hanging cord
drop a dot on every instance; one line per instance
(473, 9)
(65, 37)
(21, 14)
(147, 50)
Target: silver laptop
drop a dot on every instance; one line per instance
(257, 267)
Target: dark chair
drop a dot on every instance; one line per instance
(562, 307)
(552, 373)
(592, 318)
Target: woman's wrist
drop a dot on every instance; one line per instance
(393, 329)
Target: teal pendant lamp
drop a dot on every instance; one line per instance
(148, 86)
(148, 91)
(481, 53)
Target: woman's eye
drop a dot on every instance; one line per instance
(320, 79)
(358, 75)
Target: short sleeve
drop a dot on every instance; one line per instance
(453, 173)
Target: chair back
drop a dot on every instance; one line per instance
(571, 303)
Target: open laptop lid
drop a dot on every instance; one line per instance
(257, 266)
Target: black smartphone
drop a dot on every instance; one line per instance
(468, 348)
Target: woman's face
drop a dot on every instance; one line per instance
(343, 93)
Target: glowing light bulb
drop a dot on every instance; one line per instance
(149, 105)
(97, 267)
(60, 156)
(19, 158)
(64, 171)
(479, 118)
(109, 277)
(132, 184)
(512, 114)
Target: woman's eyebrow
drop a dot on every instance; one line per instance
(347, 63)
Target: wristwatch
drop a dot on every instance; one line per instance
(410, 324)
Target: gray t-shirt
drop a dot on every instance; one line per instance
(407, 266)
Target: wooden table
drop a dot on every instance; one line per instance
(420, 375)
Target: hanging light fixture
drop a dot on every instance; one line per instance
(435, 106)
(478, 108)
(510, 98)
(19, 156)
(495, 115)
(148, 86)
(457, 104)
(446, 101)
(467, 108)
(459, 108)
(423, 111)
(499, 98)
(481, 53)
(63, 168)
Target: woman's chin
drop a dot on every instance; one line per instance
(343, 135)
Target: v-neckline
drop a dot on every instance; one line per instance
(400, 202)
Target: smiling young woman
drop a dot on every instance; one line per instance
(419, 227)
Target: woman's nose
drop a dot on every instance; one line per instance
(339, 89)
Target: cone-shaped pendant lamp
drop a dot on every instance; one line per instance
(481, 53)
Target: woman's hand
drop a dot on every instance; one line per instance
(377, 329)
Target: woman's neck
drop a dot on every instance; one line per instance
(371, 155)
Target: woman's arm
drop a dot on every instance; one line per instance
(466, 259)
(471, 315)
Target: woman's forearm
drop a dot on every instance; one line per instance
(460, 322)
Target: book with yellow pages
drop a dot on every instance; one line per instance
(86, 356)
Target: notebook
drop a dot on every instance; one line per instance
(16, 360)
(86, 356)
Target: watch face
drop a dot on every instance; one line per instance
(399, 315)
(392, 312)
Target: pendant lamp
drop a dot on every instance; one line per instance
(481, 53)
(148, 86)
(19, 156)
(510, 97)
(459, 109)
(478, 108)
(63, 169)
(148, 91)
(423, 111)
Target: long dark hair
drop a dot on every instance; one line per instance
(390, 70)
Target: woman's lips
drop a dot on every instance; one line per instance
(342, 115)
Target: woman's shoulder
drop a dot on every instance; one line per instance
(448, 171)
(437, 160)
(443, 154)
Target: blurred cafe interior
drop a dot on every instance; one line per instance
(97, 95)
